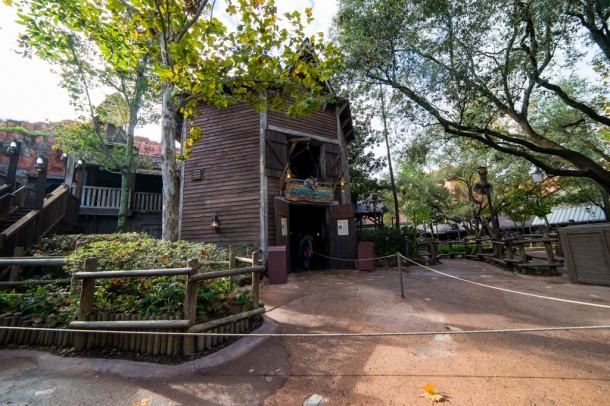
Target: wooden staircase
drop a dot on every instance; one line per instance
(16, 214)
(21, 227)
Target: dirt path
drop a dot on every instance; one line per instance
(535, 368)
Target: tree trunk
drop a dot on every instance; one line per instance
(169, 171)
(134, 109)
(389, 155)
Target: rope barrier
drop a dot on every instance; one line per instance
(355, 260)
(508, 290)
(375, 334)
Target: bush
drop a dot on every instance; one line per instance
(144, 296)
(388, 241)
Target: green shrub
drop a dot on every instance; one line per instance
(144, 296)
(444, 249)
(388, 241)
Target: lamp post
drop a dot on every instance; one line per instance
(538, 178)
(41, 184)
(11, 173)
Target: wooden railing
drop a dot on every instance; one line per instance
(191, 271)
(57, 208)
(148, 201)
(100, 197)
(97, 197)
(5, 200)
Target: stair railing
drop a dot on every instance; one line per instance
(39, 223)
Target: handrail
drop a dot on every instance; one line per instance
(37, 223)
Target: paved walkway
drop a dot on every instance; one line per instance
(536, 368)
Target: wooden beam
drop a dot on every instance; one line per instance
(200, 328)
(134, 273)
(298, 133)
(229, 272)
(34, 261)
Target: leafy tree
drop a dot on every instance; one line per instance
(201, 60)
(76, 39)
(363, 164)
(476, 68)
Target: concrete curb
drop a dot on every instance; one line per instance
(135, 369)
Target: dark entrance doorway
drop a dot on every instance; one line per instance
(308, 219)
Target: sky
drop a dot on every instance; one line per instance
(30, 91)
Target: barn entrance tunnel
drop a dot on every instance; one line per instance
(310, 219)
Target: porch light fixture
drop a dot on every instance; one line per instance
(64, 156)
(79, 164)
(288, 174)
(538, 176)
(216, 223)
(39, 166)
(13, 147)
(341, 181)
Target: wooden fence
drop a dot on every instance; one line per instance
(125, 323)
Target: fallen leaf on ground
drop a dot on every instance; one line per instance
(143, 402)
(430, 393)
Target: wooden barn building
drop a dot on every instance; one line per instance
(266, 179)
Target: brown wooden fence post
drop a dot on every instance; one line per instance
(190, 306)
(232, 260)
(255, 279)
(86, 300)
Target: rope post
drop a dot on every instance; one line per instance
(402, 288)
(190, 306)
(86, 300)
(255, 279)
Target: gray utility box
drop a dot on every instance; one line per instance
(587, 252)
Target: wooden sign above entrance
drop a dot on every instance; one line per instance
(297, 192)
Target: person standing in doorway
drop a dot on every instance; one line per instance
(305, 250)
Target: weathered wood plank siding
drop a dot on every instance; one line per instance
(321, 122)
(227, 162)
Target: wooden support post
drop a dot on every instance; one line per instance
(255, 279)
(190, 306)
(16, 269)
(86, 301)
(402, 288)
(550, 255)
(11, 173)
(232, 258)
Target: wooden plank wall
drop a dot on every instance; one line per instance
(228, 162)
(321, 122)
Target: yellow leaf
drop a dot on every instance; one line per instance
(430, 393)
(308, 11)
(429, 388)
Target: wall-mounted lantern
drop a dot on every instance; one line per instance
(79, 164)
(215, 223)
(13, 147)
(40, 164)
(64, 156)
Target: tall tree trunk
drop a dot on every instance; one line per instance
(169, 171)
(134, 109)
(387, 145)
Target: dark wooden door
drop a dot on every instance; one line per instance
(282, 226)
(342, 236)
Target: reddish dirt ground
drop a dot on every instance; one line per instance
(533, 368)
